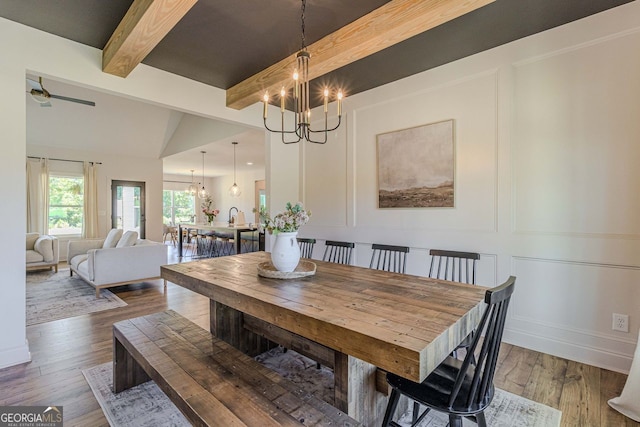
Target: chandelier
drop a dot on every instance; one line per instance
(300, 93)
(203, 193)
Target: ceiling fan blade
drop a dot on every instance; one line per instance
(78, 101)
(35, 85)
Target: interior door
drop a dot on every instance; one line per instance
(127, 206)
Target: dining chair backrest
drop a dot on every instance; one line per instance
(338, 252)
(453, 265)
(306, 246)
(389, 258)
(480, 362)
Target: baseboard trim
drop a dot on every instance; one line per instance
(573, 351)
(15, 356)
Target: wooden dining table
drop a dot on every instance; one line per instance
(359, 321)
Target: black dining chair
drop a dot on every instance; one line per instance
(338, 252)
(306, 246)
(389, 258)
(458, 267)
(460, 388)
(453, 265)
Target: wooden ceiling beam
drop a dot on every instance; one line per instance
(386, 26)
(143, 26)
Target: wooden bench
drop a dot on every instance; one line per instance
(212, 383)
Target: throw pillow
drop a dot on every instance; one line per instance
(31, 240)
(128, 239)
(112, 238)
(44, 247)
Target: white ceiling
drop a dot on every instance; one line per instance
(124, 126)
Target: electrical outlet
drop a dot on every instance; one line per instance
(620, 322)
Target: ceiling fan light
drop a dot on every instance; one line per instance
(39, 96)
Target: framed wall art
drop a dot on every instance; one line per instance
(416, 167)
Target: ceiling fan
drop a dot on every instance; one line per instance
(42, 96)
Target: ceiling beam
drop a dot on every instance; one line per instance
(143, 26)
(386, 26)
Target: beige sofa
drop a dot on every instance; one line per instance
(42, 252)
(116, 260)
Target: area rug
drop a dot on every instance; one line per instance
(146, 405)
(54, 296)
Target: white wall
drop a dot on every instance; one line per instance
(245, 202)
(546, 183)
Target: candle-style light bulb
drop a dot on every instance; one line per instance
(283, 94)
(326, 99)
(340, 103)
(295, 83)
(266, 102)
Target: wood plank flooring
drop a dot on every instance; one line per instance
(61, 349)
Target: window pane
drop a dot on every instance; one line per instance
(182, 199)
(66, 195)
(177, 206)
(65, 220)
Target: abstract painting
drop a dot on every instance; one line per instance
(416, 167)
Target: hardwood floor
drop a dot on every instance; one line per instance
(60, 350)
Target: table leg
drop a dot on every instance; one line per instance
(179, 240)
(238, 242)
(227, 324)
(355, 390)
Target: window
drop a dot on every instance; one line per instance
(177, 206)
(66, 199)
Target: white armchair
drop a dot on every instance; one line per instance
(42, 252)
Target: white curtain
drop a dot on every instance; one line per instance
(90, 223)
(37, 196)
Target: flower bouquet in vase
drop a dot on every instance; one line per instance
(208, 211)
(285, 253)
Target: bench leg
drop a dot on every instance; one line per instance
(127, 372)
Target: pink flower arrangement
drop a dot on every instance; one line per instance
(206, 209)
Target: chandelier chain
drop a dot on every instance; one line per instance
(304, 6)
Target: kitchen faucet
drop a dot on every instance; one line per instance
(230, 217)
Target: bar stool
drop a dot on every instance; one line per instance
(249, 244)
(210, 247)
(227, 244)
(200, 242)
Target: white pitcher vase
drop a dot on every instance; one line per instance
(285, 253)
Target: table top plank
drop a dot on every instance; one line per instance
(401, 323)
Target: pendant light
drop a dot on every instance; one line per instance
(203, 193)
(193, 188)
(234, 190)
